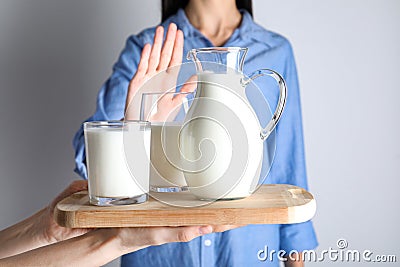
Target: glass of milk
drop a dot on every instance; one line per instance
(118, 161)
(166, 111)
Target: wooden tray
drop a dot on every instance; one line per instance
(270, 204)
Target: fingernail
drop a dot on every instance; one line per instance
(205, 230)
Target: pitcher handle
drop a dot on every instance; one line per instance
(265, 132)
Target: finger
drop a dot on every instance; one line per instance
(190, 84)
(178, 99)
(185, 233)
(188, 87)
(75, 186)
(155, 51)
(223, 228)
(178, 50)
(188, 233)
(138, 78)
(134, 238)
(168, 47)
(144, 60)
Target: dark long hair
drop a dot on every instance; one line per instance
(170, 7)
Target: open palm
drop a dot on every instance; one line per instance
(155, 59)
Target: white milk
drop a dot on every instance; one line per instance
(164, 144)
(109, 174)
(222, 180)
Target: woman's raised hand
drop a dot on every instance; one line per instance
(156, 58)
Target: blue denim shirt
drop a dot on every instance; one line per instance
(237, 247)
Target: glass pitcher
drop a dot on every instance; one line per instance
(222, 140)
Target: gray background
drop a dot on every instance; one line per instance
(55, 55)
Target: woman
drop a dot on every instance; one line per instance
(39, 241)
(208, 23)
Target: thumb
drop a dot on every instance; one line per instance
(190, 85)
(75, 186)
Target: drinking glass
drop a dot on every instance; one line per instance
(166, 111)
(117, 157)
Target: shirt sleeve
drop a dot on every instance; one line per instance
(111, 97)
(289, 166)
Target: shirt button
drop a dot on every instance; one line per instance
(207, 242)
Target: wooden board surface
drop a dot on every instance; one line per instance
(270, 204)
